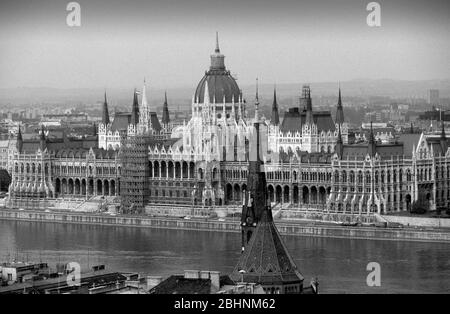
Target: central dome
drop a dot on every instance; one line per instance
(220, 81)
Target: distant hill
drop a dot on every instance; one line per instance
(182, 96)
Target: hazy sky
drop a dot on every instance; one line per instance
(169, 41)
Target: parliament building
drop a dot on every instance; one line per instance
(309, 163)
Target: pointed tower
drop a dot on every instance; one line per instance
(256, 103)
(217, 59)
(105, 112)
(135, 110)
(145, 124)
(372, 145)
(265, 259)
(339, 110)
(165, 116)
(275, 119)
(19, 143)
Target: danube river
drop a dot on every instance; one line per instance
(340, 264)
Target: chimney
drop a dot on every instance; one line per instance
(215, 280)
(191, 274)
(153, 281)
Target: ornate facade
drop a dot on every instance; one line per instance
(308, 162)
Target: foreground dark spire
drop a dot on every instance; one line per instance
(275, 120)
(135, 109)
(265, 259)
(105, 112)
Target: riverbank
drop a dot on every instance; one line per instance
(297, 228)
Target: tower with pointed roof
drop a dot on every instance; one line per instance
(165, 116)
(105, 112)
(265, 259)
(339, 111)
(309, 128)
(145, 122)
(275, 119)
(339, 120)
(256, 103)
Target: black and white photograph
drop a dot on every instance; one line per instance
(220, 153)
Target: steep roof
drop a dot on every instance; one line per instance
(266, 259)
(155, 122)
(409, 141)
(385, 151)
(294, 119)
(121, 121)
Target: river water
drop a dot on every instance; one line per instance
(340, 264)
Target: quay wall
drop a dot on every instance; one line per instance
(419, 221)
(285, 228)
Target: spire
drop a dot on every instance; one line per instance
(339, 110)
(217, 43)
(217, 59)
(135, 109)
(19, 142)
(165, 115)
(256, 198)
(275, 120)
(105, 113)
(144, 104)
(256, 102)
(265, 259)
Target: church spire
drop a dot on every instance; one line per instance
(165, 115)
(265, 259)
(217, 43)
(275, 120)
(105, 112)
(217, 59)
(339, 110)
(256, 103)
(135, 109)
